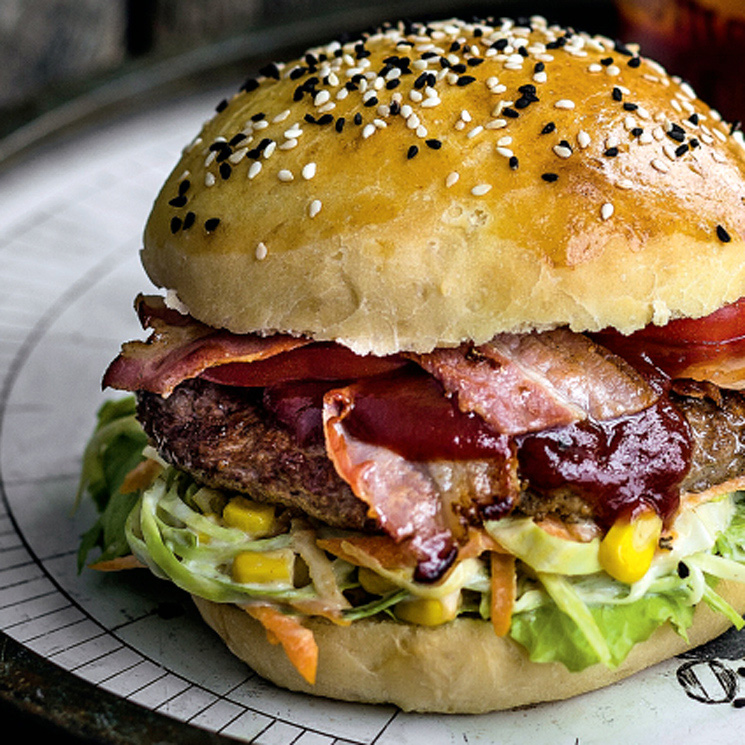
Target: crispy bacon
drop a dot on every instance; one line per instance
(422, 505)
(181, 347)
(521, 383)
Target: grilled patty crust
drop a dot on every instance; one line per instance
(226, 438)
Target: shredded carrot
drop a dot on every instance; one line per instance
(296, 640)
(115, 565)
(141, 476)
(381, 548)
(502, 592)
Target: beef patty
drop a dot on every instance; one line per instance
(226, 438)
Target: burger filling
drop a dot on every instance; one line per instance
(562, 487)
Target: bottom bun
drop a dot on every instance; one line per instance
(459, 667)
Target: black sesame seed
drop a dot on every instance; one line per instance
(179, 201)
(222, 105)
(393, 83)
(459, 68)
(634, 62)
(528, 89)
(694, 142)
(564, 143)
(351, 86)
(225, 170)
(606, 61)
(434, 144)
(683, 570)
(550, 177)
(522, 51)
(250, 85)
(539, 67)
(298, 72)
(184, 186)
(395, 108)
(340, 122)
(693, 119)
(681, 150)
(464, 80)
(358, 118)
(524, 101)
(617, 94)
(735, 127)
(298, 94)
(325, 119)
(236, 139)
(258, 116)
(455, 46)
(510, 113)
(475, 61)
(630, 107)
(723, 235)
(429, 55)
(211, 224)
(310, 118)
(372, 101)
(637, 131)
(514, 162)
(189, 220)
(264, 144)
(270, 71)
(413, 150)
(176, 224)
(500, 45)
(621, 48)
(421, 81)
(611, 152)
(550, 127)
(676, 132)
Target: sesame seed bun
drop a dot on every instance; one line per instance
(461, 667)
(426, 185)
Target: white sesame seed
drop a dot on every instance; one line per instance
(341, 94)
(562, 151)
(314, 208)
(595, 67)
(285, 175)
(720, 135)
(209, 179)
(237, 156)
(564, 103)
(309, 171)
(459, 125)
(669, 150)
(330, 106)
(281, 117)
(261, 251)
(421, 131)
(583, 139)
(612, 141)
(475, 132)
(368, 130)
(629, 123)
(269, 149)
(415, 95)
(504, 141)
(452, 179)
(288, 145)
(645, 138)
(430, 102)
(505, 152)
(658, 133)
(496, 124)
(540, 77)
(606, 211)
(613, 70)
(210, 159)
(263, 124)
(253, 169)
(625, 183)
(480, 189)
(465, 115)
(660, 165)
(406, 111)
(718, 157)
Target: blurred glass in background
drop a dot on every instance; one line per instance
(703, 41)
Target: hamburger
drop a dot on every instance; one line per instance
(440, 403)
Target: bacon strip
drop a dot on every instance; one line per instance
(420, 505)
(521, 383)
(181, 347)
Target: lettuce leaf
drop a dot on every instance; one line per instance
(552, 635)
(113, 450)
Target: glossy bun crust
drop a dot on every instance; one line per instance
(461, 667)
(429, 184)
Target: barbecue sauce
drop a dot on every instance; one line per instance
(620, 466)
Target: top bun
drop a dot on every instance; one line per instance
(429, 184)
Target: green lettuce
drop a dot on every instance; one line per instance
(113, 450)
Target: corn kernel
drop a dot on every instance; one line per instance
(253, 567)
(254, 518)
(374, 583)
(627, 550)
(429, 611)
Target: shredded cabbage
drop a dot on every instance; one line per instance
(567, 609)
